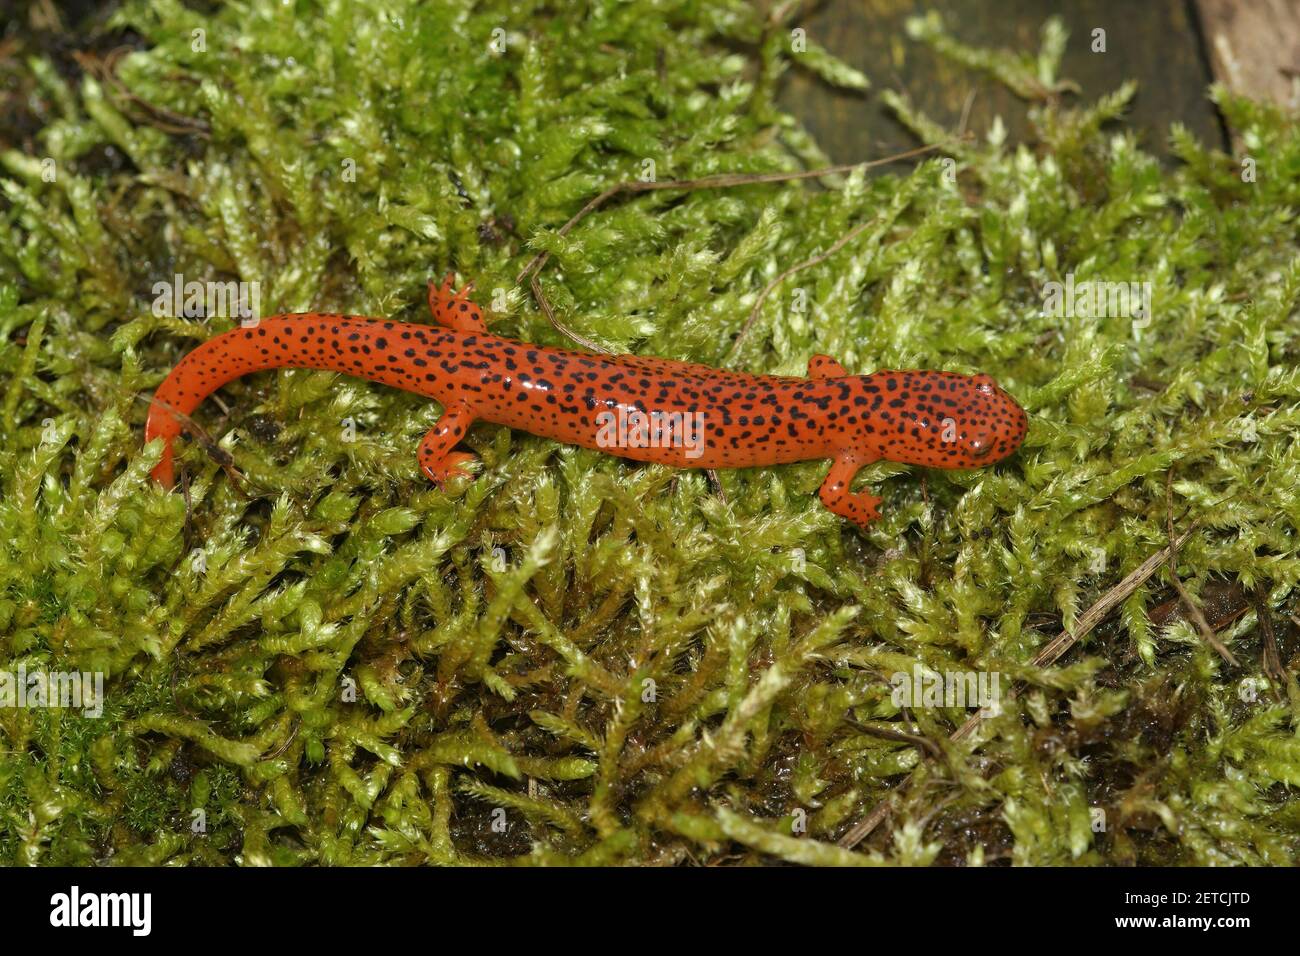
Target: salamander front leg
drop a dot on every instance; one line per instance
(859, 508)
(437, 459)
(823, 366)
(454, 309)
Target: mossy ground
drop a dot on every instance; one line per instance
(501, 637)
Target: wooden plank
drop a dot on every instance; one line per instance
(1154, 42)
(1254, 46)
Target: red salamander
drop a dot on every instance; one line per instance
(647, 409)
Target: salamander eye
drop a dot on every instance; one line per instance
(983, 383)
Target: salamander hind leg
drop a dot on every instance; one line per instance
(438, 461)
(823, 366)
(454, 309)
(860, 508)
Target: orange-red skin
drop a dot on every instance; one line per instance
(935, 419)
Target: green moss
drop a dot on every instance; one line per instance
(573, 659)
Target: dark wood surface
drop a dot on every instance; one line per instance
(1155, 42)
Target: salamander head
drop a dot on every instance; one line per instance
(941, 419)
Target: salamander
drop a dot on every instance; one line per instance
(646, 409)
